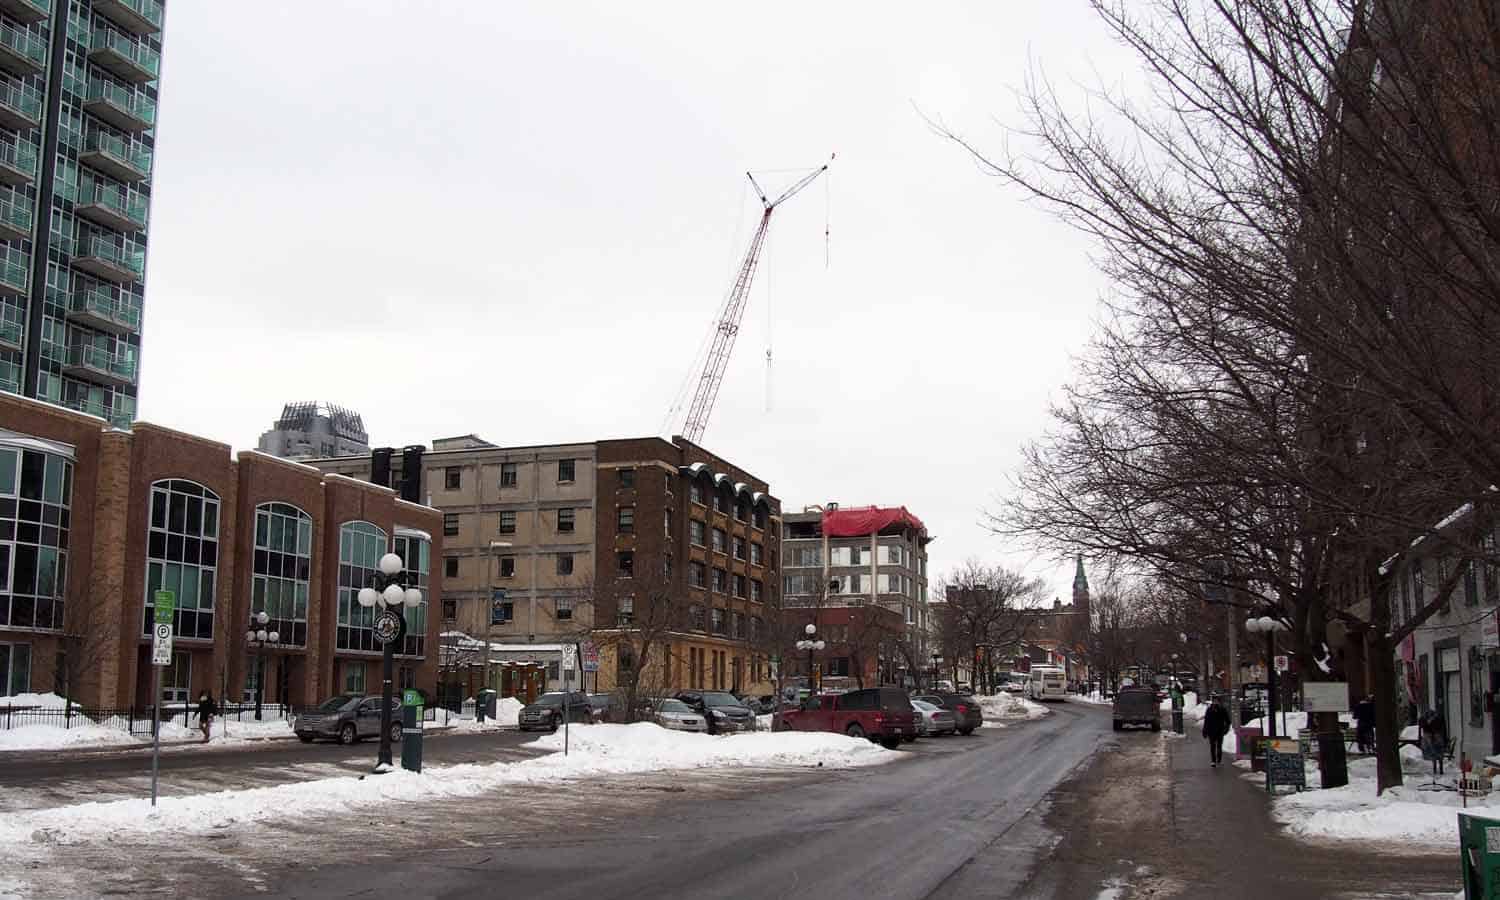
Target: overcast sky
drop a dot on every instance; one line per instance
(520, 220)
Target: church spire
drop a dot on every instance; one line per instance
(1080, 583)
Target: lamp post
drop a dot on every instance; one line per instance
(1268, 626)
(390, 594)
(811, 643)
(259, 637)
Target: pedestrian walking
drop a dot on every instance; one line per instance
(1215, 726)
(207, 709)
(1364, 724)
(1434, 744)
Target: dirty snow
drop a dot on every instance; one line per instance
(1009, 706)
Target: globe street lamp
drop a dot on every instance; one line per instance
(1268, 626)
(811, 643)
(258, 637)
(390, 594)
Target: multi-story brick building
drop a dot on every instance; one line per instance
(94, 520)
(552, 544)
(872, 609)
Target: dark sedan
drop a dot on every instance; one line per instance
(965, 709)
(547, 711)
(723, 712)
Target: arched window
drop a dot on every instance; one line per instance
(282, 568)
(182, 554)
(414, 548)
(360, 547)
(36, 493)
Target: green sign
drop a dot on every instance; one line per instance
(166, 603)
(411, 698)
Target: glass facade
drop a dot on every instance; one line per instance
(78, 97)
(415, 553)
(182, 554)
(282, 568)
(360, 547)
(36, 491)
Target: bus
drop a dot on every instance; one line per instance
(1046, 683)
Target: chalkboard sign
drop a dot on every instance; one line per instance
(1285, 770)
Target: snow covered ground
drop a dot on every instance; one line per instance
(1002, 706)
(594, 751)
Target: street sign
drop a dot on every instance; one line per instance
(569, 657)
(411, 697)
(165, 603)
(387, 627)
(590, 656)
(161, 645)
(1283, 662)
(1325, 696)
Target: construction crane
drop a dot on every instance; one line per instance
(734, 309)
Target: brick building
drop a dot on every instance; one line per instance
(94, 520)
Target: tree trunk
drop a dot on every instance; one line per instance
(1387, 729)
(1333, 762)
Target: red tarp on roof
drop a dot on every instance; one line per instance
(863, 520)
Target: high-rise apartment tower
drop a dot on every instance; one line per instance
(78, 88)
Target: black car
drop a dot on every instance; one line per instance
(723, 712)
(965, 709)
(759, 705)
(546, 712)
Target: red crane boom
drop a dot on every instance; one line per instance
(734, 309)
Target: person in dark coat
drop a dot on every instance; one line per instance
(1364, 724)
(1215, 726)
(207, 709)
(1434, 743)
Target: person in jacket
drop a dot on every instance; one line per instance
(1433, 741)
(1364, 724)
(1215, 726)
(207, 709)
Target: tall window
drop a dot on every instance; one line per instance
(360, 547)
(507, 475)
(282, 568)
(755, 590)
(739, 585)
(757, 554)
(565, 564)
(716, 617)
(695, 492)
(15, 669)
(508, 522)
(565, 470)
(697, 574)
(564, 608)
(36, 491)
(415, 551)
(627, 478)
(739, 548)
(721, 581)
(452, 478)
(450, 524)
(626, 518)
(565, 520)
(697, 533)
(721, 541)
(182, 554)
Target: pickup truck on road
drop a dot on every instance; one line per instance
(883, 715)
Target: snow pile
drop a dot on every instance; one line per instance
(1094, 697)
(595, 751)
(507, 712)
(35, 701)
(56, 737)
(1009, 706)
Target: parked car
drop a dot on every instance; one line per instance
(884, 715)
(346, 718)
(965, 690)
(965, 710)
(1137, 706)
(721, 710)
(547, 711)
(678, 716)
(600, 706)
(762, 705)
(933, 719)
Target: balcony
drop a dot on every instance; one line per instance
(26, 11)
(120, 106)
(20, 107)
(10, 377)
(21, 52)
(123, 56)
(15, 220)
(97, 308)
(98, 365)
(102, 258)
(10, 335)
(17, 163)
(135, 16)
(116, 157)
(111, 206)
(13, 272)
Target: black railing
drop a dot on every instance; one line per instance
(129, 720)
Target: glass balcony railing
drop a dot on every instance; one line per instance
(25, 100)
(123, 203)
(20, 155)
(135, 155)
(10, 377)
(16, 215)
(133, 103)
(150, 10)
(101, 248)
(139, 55)
(10, 333)
(94, 407)
(13, 269)
(101, 303)
(97, 359)
(24, 43)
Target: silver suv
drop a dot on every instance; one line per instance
(347, 718)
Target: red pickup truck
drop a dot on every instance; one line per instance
(883, 715)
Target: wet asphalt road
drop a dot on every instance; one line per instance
(951, 821)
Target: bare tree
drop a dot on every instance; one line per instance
(985, 609)
(90, 625)
(635, 619)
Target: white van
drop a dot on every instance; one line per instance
(1046, 683)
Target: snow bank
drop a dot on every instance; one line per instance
(595, 750)
(35, 701)
(1009, 706)
(508, 711)
(55, 737)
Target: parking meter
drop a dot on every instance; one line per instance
(411, 730)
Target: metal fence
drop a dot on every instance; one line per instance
(133, 721)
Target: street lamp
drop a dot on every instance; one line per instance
(811, 643)
(1268, 626)
(259, 638)
(390, 627)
